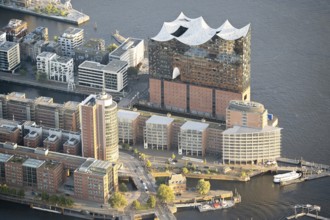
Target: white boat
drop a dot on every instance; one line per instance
(286, 177)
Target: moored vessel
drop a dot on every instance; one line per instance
(286, 177)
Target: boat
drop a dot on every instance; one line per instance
(286, 177)
(217, 205)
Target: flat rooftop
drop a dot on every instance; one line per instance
(129, 115)
(33, 163)
(246, 106)
(128, 44)
(192, 125)
(5, 157)
(155, 119)
(115, 65)
(72, 31)
(92, 65)
(46, 55)
(44, 99)
(246, 130)
(7, 45)
(64, 60)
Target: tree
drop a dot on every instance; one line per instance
(136, 204)
(117, 200)
(136, 151)
(165, 193)
(123, 187)
(151, 201)
(203, 187)
(185, 170)
(142, 156)
(148, 164)
(112, 47)
(173, 156)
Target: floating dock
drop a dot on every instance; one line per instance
(306, 211)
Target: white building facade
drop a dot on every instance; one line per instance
(70, 39)
(9, 56)
(158, 133)
(113, 75)
(127, 126)
(57, 68)
(131, 51)
(251, 145)
(192, 138)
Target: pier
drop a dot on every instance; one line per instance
(306, 211)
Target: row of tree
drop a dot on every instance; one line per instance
(57, 200)
(4, 189)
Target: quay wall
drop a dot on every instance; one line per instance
(83, 18)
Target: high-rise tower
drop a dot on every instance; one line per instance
(99, 128)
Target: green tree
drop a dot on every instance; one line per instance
(123, 187)
(112, 47)
(165, 193)
(173, 156)
(136, 151)
(117, 200)
(185, 170)
(44, 196)
(148, 164)
(41, 76)
(142, 156)
(203, 187)
(151, 201)
(136, 204)
(126, 146)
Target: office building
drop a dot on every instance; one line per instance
(72, 147)
(9, 56)
(128, 126)
(9, 131)
(99, 127)
(252, 135)
(130, 51)
(52, 142)
(158, 133)
(196, 69)
(70, 39)
(32, 139)
(94, 178)
(113, 76)
(193, 138)
(46, 171)
(15, 30)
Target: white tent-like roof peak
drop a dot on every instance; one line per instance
(195, 31)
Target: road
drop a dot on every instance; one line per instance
(134, 168)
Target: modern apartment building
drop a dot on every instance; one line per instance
(112, 77)
(197, 69)
(15, 30)
(99, 127)
(128, 126)
(158, 133)
(193, 138)
(9, 56)
(56, 68)
(130, 51)
(27, 46)
(70, 39)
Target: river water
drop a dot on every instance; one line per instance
(290, 76)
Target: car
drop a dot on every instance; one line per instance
(175, 160)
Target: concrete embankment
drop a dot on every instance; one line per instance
(74, 16)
